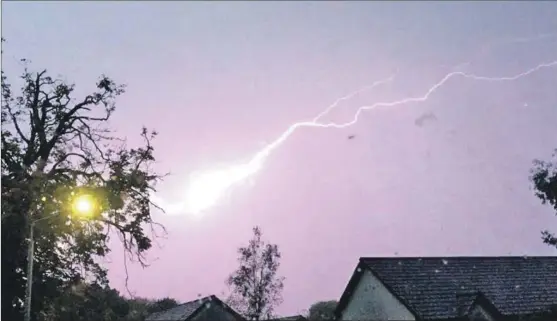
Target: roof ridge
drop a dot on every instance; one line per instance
(211, 297)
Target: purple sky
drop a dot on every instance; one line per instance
(220, 80)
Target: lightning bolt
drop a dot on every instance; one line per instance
(490, 46)
(432, 90)
(352, 95)
(206, 188)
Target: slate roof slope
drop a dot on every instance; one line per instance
(290, 318)
(180, 312)
(430, 285)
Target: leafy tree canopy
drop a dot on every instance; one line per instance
(256, 285)
(55, 147)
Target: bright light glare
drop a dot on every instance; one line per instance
(84, 205)
(206, 188)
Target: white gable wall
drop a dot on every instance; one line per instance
(370, 300)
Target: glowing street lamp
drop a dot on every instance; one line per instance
(83, 206)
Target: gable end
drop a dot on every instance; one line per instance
(364, 276)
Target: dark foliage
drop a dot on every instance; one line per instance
(322, 310)
(162, 305)
(544, 178)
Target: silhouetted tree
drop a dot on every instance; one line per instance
(256, 286)
(162, 305)
(322, 310)
(544, 177)
(54, 145)
(84, 302)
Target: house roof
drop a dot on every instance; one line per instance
(436, 287)
(290, 318)
(187, 310)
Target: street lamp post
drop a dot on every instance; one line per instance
(30, 259)
(83, 205)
